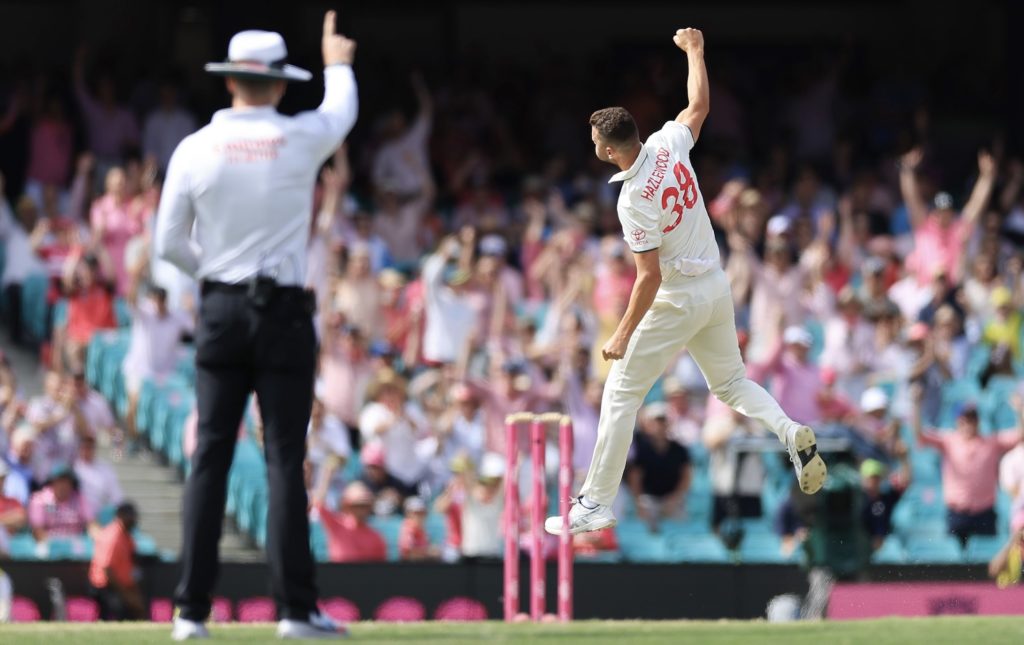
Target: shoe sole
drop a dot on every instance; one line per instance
(596, 525)
(811, 471)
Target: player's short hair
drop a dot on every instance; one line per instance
(614, 125)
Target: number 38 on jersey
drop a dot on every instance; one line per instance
(681, 197)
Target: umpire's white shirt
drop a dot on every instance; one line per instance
(245, 182)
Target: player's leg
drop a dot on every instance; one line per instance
(716, 351)
(660, 336)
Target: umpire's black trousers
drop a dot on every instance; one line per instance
(243, 345)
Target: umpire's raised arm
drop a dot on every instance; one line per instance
(333, 120)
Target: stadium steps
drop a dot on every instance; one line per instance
(157, 491)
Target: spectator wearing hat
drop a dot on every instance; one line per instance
(881, 495)
(874, 434)
(357, 294)
(939, 235)
(58, 509)
(835, 406)
(349, 537)
(154, 348)
(97, 480)
(970, 468)
(482, 509)
(1003, 330)
(12, 513)
(448, 314)
(979, 287)
(849, 342)
(345, 370)
(931, 368)
(659, 473)
(413, 541)
(450, 502)
(794, 377)
(392, 421)
(683, 417)
(388, 490)
(112, 571)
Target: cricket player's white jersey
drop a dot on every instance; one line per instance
(660, 205)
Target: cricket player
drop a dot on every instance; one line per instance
(681, 297)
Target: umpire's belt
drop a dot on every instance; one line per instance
(288, 295)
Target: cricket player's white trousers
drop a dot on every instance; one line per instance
(692, 312)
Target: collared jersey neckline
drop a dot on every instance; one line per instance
(631, 172)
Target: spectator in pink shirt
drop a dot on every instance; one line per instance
(116, 218)
(970, 468)
(413, 541)
(345, 370)
(349, 537)
(795, 380)
(939, 236)
(59, 510)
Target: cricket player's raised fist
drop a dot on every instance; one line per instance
(337, 49)
(689, 40)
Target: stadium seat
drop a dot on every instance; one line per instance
(891, 552)
(643, 547)
(943, 549)
(24, 610)
(161, 610)
(221, 610)
(982, 548)
(341, 609)
(24, 547)
(256, 610)
(145, 545)
(400, 609)
(696, 548)
(318, 541)
(33, 304)
(81, 609)
(461, 609)
(762, 547)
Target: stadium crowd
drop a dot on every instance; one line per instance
(468, 263)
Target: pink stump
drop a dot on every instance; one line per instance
(511, 564)
(565, 553)
(538, 506)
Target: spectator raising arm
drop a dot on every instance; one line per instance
(982, 191)
(929, 439)
(917, 209)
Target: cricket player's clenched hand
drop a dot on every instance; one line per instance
(615, 348)
(689, 40)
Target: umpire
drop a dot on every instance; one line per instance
(235, 213)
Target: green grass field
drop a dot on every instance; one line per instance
(987, 631)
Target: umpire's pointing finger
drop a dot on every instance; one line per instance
(330, 19)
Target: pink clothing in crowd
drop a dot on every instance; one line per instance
(61, 519)
(796, 386)
(970, 467)
(118, 223)
(937, 249)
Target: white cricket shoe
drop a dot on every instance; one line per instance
(318, 626)
(186, 630)
(582, 519)
(803, 452)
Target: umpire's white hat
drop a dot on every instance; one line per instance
(258, 54)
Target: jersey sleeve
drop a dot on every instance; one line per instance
(678, 136)
(640, 227)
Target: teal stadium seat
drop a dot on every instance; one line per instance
(937, 549)
(891, 552)
(763, 547)
(696, 548)
(33, 304)
(982, 548)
